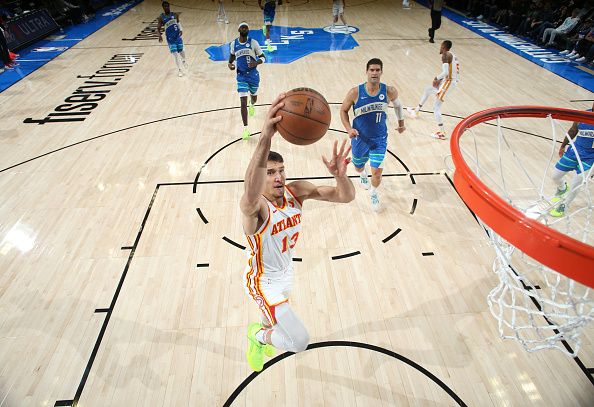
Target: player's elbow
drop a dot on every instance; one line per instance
(347, 196)
(248, 206)
(351, 196)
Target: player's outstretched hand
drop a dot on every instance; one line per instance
(231, 66)
(353, 133)
(401, 129)
(338, 163)
(436, 83)
(160, 38)
(272, 119)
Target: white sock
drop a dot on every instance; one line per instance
(260, 336)
(176, 57)
(373, 190)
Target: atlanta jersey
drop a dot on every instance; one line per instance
(269, 273)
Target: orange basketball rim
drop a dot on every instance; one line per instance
(553, 249)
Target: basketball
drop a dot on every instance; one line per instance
(306, 116)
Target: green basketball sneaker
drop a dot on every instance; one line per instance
(560, 193)
(269, 350)
(255, 350)
(246, 133)
(558, 211)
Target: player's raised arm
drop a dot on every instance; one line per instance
(347, 104)
(255, 175)
(337, 164)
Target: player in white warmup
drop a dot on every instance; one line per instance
(443, 85)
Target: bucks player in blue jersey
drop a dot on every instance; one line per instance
(173, 33)
(269, 10)
(369, 132)
(248, 54)
(579, 157)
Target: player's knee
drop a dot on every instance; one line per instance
(300, 341)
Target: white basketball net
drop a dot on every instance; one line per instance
(533, 304)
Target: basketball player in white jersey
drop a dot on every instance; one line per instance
(271, 219)
(443, 84)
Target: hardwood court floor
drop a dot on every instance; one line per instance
(102, 302)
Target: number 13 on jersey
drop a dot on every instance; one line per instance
(290, 243)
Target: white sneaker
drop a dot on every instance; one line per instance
(574, 56)
(226, 20)
(185, 65)
(364, 181)
(413, 112)
(180, 73)
(375, 201)
(565, 52)
(219, 19)
(581, 59)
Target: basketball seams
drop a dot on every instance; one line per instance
(298, 91)
(297, 137)
(305, 117)
(314, 96)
